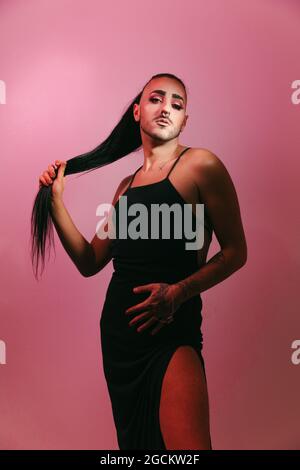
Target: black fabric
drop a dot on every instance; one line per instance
(134, 363)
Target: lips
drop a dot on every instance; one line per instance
(162, 121)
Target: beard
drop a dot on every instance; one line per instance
(162, 134)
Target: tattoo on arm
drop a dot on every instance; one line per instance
(191, 283)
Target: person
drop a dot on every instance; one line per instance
(151, 319)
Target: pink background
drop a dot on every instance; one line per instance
(71, 68)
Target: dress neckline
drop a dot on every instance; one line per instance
(167, 179)
(156, 182)
(150, 184)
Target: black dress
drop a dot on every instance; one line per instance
(134, 363)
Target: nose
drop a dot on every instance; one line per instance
(165, 111)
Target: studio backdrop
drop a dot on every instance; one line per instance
(68, 71)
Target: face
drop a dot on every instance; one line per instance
(162, 97)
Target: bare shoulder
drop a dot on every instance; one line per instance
(205, 158)
(207, 167)
(122, 188)
(125, 181)
(218, 193)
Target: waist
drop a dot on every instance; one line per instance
(149, 273)
(120, 293)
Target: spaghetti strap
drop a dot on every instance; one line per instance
(187, 148)
(134, 176)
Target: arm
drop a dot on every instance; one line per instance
(219, 196)
(89, 258)
(77, 247)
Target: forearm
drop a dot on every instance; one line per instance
(219, 267)
(78, 248)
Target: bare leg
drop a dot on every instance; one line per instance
(184, 405)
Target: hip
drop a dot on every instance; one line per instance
(120, 296)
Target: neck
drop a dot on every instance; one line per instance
(157, 160)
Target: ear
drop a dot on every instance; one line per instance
(136, 112)
(184, 123)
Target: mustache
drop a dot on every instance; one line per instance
(166, 120)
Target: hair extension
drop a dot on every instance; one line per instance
(124, 139)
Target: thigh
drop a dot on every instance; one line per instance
(184, 405)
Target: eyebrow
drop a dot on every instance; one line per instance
(162, 92)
